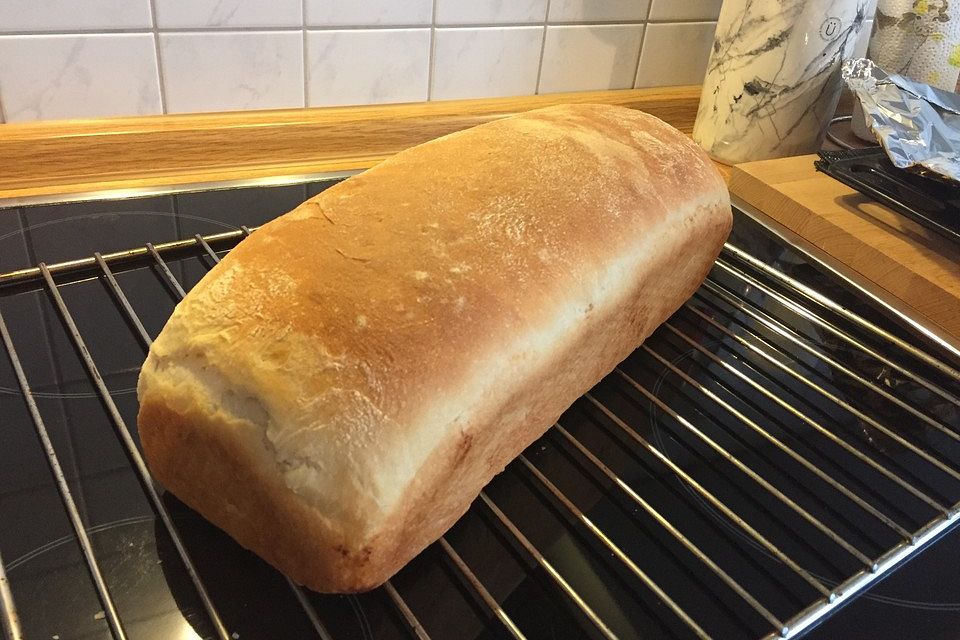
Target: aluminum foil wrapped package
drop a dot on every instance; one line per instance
(918, 125)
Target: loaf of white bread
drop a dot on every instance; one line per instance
(337, 391)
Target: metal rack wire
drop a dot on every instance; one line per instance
(9, 623)
(763, 350)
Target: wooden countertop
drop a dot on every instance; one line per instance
(78, 156)
(909, 265)
(75, 157)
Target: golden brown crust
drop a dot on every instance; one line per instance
(337, 391)
(188, 452)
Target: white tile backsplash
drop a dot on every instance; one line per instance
(583, 58)
(227, 13)
(47, 77)
(221, 71)
(486, 62)
(106, 56)
(675, 54)
(665, 10)
(599, 10)
(367, 12)
(367, 66)
(69, 15)
(490, 11)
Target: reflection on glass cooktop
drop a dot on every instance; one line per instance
(155, 599)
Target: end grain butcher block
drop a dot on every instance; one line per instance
(914, 265)
(336, 392)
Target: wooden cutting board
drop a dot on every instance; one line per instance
(913, 265)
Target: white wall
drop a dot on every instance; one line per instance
(88, 58)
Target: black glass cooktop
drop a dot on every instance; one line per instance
(155, 598)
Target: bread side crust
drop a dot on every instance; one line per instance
(221, 468)
(224, 462)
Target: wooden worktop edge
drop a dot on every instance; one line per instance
(72, 156)
(923, 295)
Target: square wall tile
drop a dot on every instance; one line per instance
(675, 54)
(490, 11)
(666, 10)
(228, 13)
(366, 66)
(585, 58)
(321, 13)
(598, 10)
(223, 71)
(67, 15)
(78, 76)
(475, 63)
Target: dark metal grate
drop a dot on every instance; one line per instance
(767, 455)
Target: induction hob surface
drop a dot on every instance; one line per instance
(623, 521)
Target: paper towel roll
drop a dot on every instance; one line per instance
(919, 39)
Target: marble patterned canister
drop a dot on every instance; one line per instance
(773, 79)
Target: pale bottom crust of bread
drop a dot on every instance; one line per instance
(225, 473)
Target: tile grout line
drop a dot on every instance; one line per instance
(431, 58)
(643, 40)
(543, 48)
(339, 27)
(161, 79)
(303, 32)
